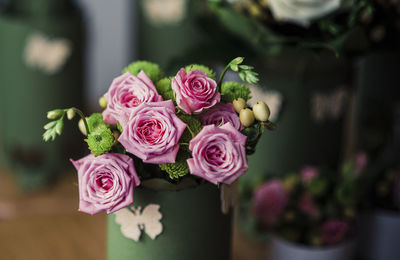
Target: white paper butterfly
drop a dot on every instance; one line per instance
(161, 12)
(329, 106)
(272, 98)
(48, 55)
(134, 222)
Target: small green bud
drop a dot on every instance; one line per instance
(59, 127)
(239, 104)
(238, 60)
(235, 67)
(261, 111)
(246, 117)
(103, 102)
(82, 127)
(54, 113)
(70, 113)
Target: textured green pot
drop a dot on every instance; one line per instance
(300, 138)
(193, 227)
(28, 91)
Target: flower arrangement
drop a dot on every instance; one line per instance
(319, 24)
(156, 131)
(314, 206)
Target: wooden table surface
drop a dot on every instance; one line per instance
(45, 225)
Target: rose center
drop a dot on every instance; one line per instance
(215, 155)
(151, 131)
(105, 182)
(130, 100)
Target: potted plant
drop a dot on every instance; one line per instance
(308, 214)
(160, 151)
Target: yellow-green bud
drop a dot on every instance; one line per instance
(82, 127)
(239, 104)
(246, 117)
(238, 60)
(54, 114)
(103, 102)
(70, 114)
(261, 111)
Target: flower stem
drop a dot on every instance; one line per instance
(80, 113)
(221, 77)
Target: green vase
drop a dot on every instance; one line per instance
(41, 69)
(315, 94)
(193, 227)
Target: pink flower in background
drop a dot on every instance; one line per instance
(308, 207)
(219, 154)
(106, 182)
(308, 173)
(152, 132)
(127, 92)
(360, 163)
(195, 91)
(334, 231)
(221, 114)
(270, 200)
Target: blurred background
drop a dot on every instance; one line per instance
(328, 71)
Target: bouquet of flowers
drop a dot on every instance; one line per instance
(157, 131)
(314, 206)
(270, 25)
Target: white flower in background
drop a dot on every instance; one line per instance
(168, 12)
(302, 12)
(46, 54)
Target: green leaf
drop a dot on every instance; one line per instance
(50, 125)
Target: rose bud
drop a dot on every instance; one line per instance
(103, 102)
(246, 117)
(261, 111)
(239, 104)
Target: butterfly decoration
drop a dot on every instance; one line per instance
(48, 55)
(273, 98)
(133, 221)
(329, 106)
(161, 12)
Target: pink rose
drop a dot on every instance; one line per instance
(308, 207)
(106, 182)
(221, 114)
(334, 231)
(308, 173)
(152, 132)
(270, 199)
(127, 92)
(195, 91)
(219, 154)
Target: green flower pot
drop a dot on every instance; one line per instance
(193, 227)
(41, 69)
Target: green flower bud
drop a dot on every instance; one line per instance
(261, 111)
(82, 127)
(103, 102)
(59, 127)
(70, 113)
(152, 70)
(239, 104)
(246, 117)
(54, 113)
(232, 90)
(95, 121)
(163, 87)
(238, 60)
(100, 141)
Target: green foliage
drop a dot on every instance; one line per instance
(232, 90)
(151, 69)
(100, 141)
(163, 87)
(95, 121)
(53, 129)
(193, 127)
(210, 72)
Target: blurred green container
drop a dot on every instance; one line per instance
(41, 68)
(315, 94)
(193, 227)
